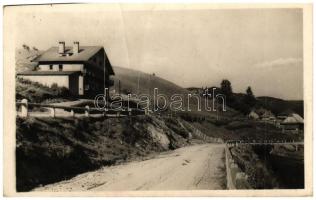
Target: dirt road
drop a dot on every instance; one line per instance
(189, 168)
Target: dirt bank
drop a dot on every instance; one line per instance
(51, 150)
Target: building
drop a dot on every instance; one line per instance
(253, 115)
(293, 123)
(84, 70)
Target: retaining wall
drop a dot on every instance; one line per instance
(236, 178)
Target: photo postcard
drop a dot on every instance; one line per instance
(158, 100)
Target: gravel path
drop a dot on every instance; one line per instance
(198, 167)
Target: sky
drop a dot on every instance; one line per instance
(261, 48)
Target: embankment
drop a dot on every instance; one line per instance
(50, 150)
(264, 167)
(235, 177)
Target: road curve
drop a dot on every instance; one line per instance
(198, 167)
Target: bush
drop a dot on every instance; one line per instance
(219, 122)
(36, 92)
(238, 125)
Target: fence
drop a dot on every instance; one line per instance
(197, 133)
(72, 111)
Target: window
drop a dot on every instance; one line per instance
(60, 67)
(50, 67)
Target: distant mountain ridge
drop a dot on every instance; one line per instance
(23, 58)
(280, 106)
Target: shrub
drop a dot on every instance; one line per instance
(238, 125)
(36, 92)
(220, 122)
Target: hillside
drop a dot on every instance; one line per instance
(137, 82)
(279, 106)
(52, 149)
(38, 93)
(23, 58)
(129, 80)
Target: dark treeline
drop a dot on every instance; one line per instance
(247, 101)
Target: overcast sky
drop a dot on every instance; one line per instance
(262, 48)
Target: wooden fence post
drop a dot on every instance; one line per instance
(24, 108)
(52, 112)
(86, 112)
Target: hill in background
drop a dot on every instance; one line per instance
(23, 58)
(280, 106)
(137, 82)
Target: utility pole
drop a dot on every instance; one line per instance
(138, 82)
(119, 85)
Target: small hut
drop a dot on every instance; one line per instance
(293, 123)
(253, 115)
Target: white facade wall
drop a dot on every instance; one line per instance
(49, 80)
(81, 89)
(66, 67)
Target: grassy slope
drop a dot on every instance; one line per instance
(147, 82)
(129, 82)
(38, 93)
(49, 150)
(23, 59)
(242, 129)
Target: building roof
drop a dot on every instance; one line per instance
(85, 53)
(293, 119)
(298, 117)
(56, 73)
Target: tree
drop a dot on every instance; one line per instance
(249, 92)
(250, 99)
(226, 88)
(227, 91)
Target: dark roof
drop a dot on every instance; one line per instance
(85, 53)
(48, 73)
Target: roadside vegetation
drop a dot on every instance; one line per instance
(53, 149)
(259, 175)
(239, 129)
(37, 93)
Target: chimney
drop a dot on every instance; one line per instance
(61, 47)
(76, 47)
